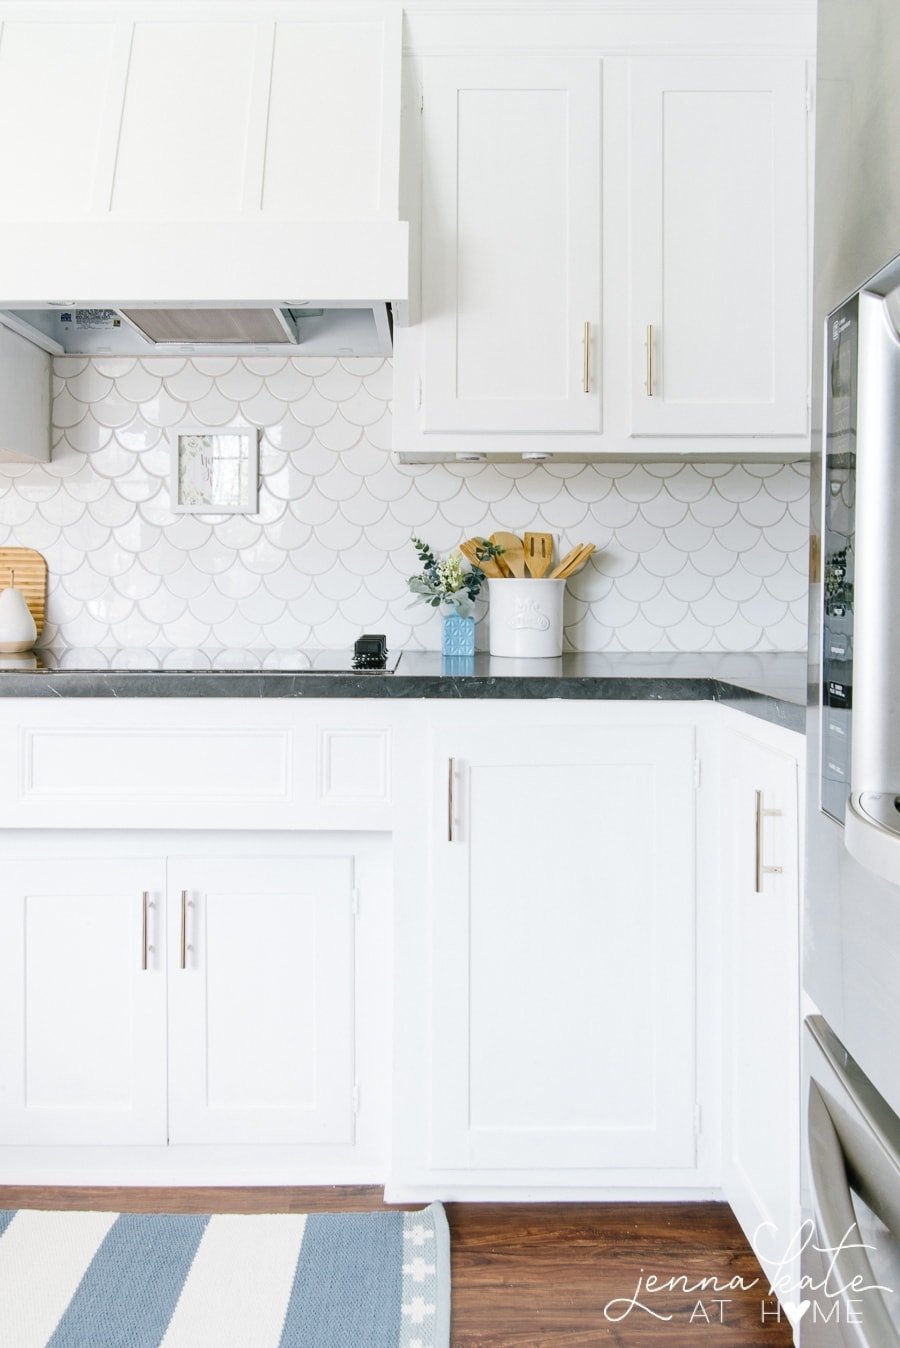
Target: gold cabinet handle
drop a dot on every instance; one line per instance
(184, 908)
(451, 772)
(761, 868)
(586, 379)
(649, 360)
(145, 922)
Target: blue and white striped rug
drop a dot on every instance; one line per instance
(135, 1280)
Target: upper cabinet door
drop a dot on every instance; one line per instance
(511, 245)
(719, 285)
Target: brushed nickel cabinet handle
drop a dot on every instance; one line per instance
(145, 921)
(184, 906)
(761, 868)
(450, 803)
(586, 378)
(649, 360)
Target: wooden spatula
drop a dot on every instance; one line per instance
(490, 566)
(538, 554)
(572, 562)
(513, 553)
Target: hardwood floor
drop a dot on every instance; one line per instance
(540, 1275)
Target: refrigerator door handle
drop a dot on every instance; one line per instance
(834, 1217)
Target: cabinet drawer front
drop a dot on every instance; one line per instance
(176, 764)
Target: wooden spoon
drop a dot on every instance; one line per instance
(490, 566)
(513, 553)
(572, 562)
(538, 554)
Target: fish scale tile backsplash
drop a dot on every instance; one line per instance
(690, 557)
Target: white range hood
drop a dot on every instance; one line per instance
(191, 176)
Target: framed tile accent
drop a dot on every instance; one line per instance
(215, 471)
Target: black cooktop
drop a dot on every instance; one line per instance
(233, 661)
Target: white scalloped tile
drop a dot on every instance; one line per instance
(236, 582)
(739, 635)
(380, 381)
(288, 384)
(379, 432)
(261, 410)
(788, 583)
(164, 410)
(215, 365)
(263, 606)
(762, 609)
(111, 510)
(689, 583)
(291, 633)
(238, 383)
(138, 384)
(138, 583)
(68, 411)
(388, 534)
(312, 409)
(640, 635)
(363, 409)
(638, 535)
(641, 585)
(265, 365)
(414, 512)
(312, 507)
(88, 434)
(688, 485)
(89, 385)
(339, 434)
(738, 583)
(338, 384)
(288, 582)
(212, 606)
(190, 631)
(42, 535)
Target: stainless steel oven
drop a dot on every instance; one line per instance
(851, 1238)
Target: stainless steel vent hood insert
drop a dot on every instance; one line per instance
(214, 327)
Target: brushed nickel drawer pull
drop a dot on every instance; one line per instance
(649, 360)
(586, 378)
(761, 869)
(145, 919)
(184, 907)
(450, 775)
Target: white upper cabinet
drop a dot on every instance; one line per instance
(690, 268)
(511, 264)
(718, 247)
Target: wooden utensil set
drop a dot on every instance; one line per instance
(532, 556)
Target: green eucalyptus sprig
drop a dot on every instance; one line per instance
(446, 581)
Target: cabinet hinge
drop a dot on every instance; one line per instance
(697, 772)
(354, 900)
(355, 1099)
(698, 1120)
(419, 391)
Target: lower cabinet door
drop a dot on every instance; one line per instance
(563, 948)
(82, 1001)
(261, 1020)
(761, 1107)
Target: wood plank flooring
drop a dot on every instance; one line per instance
(538, 1275)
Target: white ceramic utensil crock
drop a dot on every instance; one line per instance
(17, 629)
(526, 617)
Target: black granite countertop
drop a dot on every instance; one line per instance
(769, 686)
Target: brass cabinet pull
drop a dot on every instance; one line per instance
(450, 803)
(586, 379)
(145, 921)
(184, 905)
(649, 360)
(761, 868)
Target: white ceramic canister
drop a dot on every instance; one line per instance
(526, 617)
(17, 629)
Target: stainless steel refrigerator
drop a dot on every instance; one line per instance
(851, 945)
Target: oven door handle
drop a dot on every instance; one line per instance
(834, 1216)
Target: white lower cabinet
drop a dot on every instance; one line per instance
(82, 1001)
(562, 949)
(261, 1000)
(242, 967)
(761, 1087)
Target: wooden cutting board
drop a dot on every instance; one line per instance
(30, 572)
